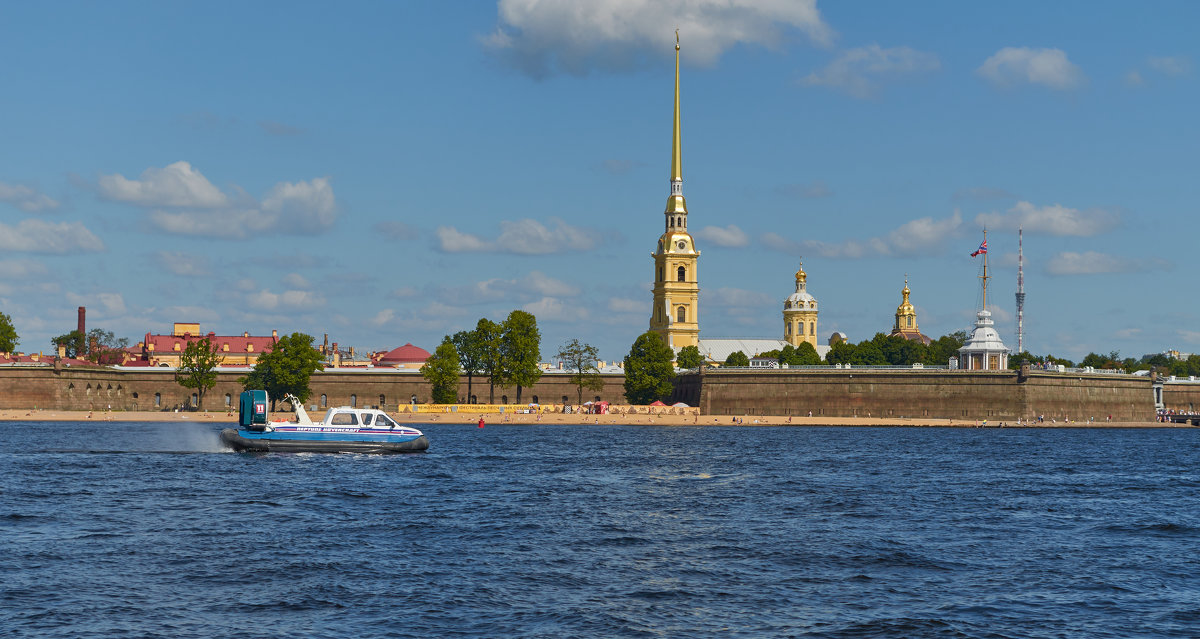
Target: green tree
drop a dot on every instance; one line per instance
(805, 355)
(648, 371)
(841, 353)
(198, 368)
(689, 357)
(868, 353)
(73, 344)
(8, 334)
(103, 347)
(940, 350)
(488, 335)
(470, 356)
(581, 358)
(737, 358)
(441, 371)
(521, 350)
(286, 368)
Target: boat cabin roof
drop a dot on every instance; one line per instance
(351, 416)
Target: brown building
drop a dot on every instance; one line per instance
(166, 350)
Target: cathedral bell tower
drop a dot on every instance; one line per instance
(800, 313)
(676, 315)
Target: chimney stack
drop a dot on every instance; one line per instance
(82, 320)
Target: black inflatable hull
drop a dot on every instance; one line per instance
(232, 439)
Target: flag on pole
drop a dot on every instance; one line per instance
(982, 249)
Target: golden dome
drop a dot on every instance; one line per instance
(801, 276)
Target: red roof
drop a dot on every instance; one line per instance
(406, 354)
(237, 343)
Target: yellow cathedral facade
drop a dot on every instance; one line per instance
(676, 313)
(800, 313)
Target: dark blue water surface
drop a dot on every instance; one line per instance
(146, 529)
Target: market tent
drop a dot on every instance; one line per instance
(680, 405)
(657, 403)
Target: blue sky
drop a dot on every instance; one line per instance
(391, 172)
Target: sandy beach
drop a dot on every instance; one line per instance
(471, 419)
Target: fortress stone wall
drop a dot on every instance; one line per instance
(97, 388)
(944, 394)
(967, 395)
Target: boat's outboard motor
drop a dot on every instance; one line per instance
(252, 412)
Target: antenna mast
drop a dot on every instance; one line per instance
(1020, 290)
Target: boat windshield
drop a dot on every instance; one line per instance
(384, 421)
(366, 417)
(345, 419)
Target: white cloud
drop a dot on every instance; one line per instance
(182, 264)
(521, 237)
(1134, 79)
(265, 300)
(176, 184)
(736, 297)
(307, 207)
(922, 236)
(296, 281)
(552, 309)
(534, 285)
(184, 202)
(38, 236)
(107, 305)
(730, 236)
(542, 37)
(1095, 263)
(1011, 66)
(1170, 65)
(20, 269)
(1054, 219)
(25, 198)
(383, 317)
(860, 72)
(626, 305)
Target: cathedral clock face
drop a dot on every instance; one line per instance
(681, 244)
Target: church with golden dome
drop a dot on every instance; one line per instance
(906, 319)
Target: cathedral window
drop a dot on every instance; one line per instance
(909, 321)
(812, 328)
(800, 327)
(660, 248)
(681, 274)
(682, 314)
(660, 271)
(789, 328)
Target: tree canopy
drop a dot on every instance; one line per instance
(689, 357)
(286, 368)
(73, 344)
(8, 334)
(441, 371)
(581, 358)
(197, 368)
(648, 371)
(737, 358)
(520, 350)
(487, 334)
(470, 357)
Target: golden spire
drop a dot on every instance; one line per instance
(676, 154)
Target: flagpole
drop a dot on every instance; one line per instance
(985, 272)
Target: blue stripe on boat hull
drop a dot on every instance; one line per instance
(241, 440)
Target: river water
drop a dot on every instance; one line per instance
(150, 530)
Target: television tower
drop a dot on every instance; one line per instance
(1020, 291)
